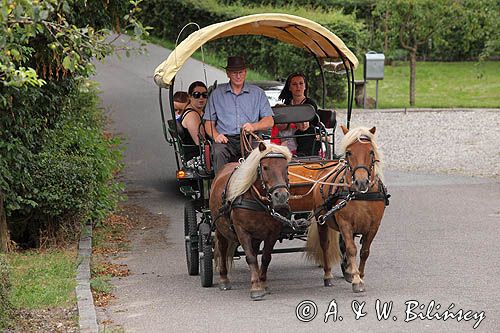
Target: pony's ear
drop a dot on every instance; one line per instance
(262, 146)
(372, 130)
(344, 129)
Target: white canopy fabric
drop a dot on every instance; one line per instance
(290, 29)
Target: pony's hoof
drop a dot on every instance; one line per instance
(358, 287)
(225, 286)
(257, 295)
(328, 282)
(348, 277)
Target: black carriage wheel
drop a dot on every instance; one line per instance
(191, 233)
(343, 255)
(206, 262)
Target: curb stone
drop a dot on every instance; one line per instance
(86, 310)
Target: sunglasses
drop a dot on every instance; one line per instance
(198, 94)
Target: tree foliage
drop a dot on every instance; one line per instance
(56, 167)
(44, 40)
(409, 24)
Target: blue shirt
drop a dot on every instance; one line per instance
(231, 111)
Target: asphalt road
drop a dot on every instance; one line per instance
(438, 243)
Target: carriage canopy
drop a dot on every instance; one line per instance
(294, 30)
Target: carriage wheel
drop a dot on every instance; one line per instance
(191, 234)
(206, 264)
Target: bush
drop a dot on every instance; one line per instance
(266, 55)
(57, 166)
(5, 305)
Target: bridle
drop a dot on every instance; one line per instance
(369, 169)
(269, 190)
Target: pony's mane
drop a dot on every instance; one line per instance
(357, 134)
(246, 174)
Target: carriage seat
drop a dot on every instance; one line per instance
(288, 114)
(178, 132)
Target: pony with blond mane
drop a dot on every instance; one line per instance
(246, 174)
(351, 201)
(241, 200)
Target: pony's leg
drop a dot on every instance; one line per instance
(324, 242)
(352, 271)
(266, 260)
(257, 292)
(224, 283)
(365, 252)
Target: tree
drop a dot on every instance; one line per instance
(4, 232)
(412, 23)
(47, 49)
(46, 39)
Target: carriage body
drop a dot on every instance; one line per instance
(195, 177)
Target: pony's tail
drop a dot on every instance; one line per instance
(314, 252)
(231, 248)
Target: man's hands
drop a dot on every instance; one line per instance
(221, 138)
(248, 127)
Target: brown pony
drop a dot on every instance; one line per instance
(242, 199)
(351, 200)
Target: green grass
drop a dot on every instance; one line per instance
(439, 85)
(43, 279)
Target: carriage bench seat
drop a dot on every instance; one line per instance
(287, 114)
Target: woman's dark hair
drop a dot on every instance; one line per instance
(194, 85)
(286, 94)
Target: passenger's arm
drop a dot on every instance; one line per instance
(192, 122)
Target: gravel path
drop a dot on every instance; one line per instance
(463, 142)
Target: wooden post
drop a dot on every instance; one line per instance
(4, 232)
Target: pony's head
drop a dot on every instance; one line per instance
(267, 167)
(362, 156)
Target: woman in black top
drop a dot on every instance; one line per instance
(191, 118)
(294, 93)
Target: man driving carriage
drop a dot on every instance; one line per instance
(232, 107)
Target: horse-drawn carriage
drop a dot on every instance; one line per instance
(222, 212)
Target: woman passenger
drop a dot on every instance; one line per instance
(192, 115)
(295, 93)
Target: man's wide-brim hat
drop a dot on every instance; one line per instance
(235, 63)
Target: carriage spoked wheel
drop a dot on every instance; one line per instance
(206, 256)
(191, 235)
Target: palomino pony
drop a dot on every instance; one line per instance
(242, 199)
(352, 200)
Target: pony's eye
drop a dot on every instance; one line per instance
(265, 168)
(348, 153)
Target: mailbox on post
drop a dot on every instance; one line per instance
(374, 70)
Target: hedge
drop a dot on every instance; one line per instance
(263, 54)
(57, 167)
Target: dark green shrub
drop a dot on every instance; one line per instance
(57, 167)
(5, 305)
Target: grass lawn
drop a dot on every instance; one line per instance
(43, 279)
(439, 85)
